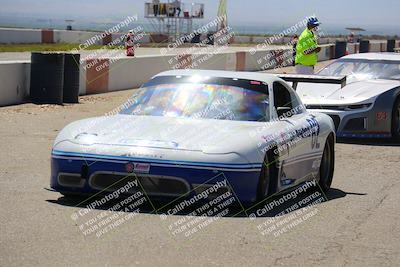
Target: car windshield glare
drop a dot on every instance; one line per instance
(358, 70)
(200, 100)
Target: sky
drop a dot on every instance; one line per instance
(373, 14)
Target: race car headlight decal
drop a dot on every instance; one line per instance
(86, 138)
(359, 106)
(342, 107)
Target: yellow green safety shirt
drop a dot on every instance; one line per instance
(306, 41)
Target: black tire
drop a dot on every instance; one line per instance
(396, 120)
(327, 165)
(267, 181)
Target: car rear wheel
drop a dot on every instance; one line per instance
(327, 165)
(396, 120)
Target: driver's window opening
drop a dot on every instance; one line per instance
(282, 100)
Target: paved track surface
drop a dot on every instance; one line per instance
(358, 226)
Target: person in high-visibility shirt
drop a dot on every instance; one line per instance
(307, 48)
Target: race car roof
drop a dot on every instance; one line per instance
(374, 56)
(257, 76)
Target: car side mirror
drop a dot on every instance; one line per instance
(284, 112)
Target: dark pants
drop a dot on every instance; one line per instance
(179, 11)
(155, 10)
(294, 54)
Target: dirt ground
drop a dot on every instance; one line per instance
(359, 225)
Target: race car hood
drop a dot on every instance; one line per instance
(205, 135)
(352, 93)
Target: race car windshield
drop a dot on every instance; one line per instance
(204, 99)
(358, 70)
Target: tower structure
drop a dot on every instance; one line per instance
(171, 19)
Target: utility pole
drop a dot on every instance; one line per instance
(222, 27)
(222, 15)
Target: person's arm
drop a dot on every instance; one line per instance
(312, 50)
(313, 46)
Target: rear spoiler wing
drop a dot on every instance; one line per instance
(300, 78)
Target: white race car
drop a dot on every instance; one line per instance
(186, 130)
(368, 106)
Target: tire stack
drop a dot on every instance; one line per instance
(71, 78)
(391, 44)
(340, 49)
(54, 78)
(364, 46)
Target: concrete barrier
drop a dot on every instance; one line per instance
(125, 73)
(353, 48)
(77, 37)
(132, 73)
(241, 39)
(37, 36)
(14, 82)
(258, 39)
(20, 36)
(16, 35)
(107, 75)
(375, 46)
(327, 53)
(100, 75)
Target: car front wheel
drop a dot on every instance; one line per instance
(267, 183)
(396, 120)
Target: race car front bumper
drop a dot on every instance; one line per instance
(73, 173)
(363, 123)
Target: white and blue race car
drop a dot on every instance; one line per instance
(186, 130)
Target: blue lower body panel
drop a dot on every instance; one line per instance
(242, 183)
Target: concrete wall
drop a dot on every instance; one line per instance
(101, 75)
(285, 40)
(224, 61)
(241, 39)
(374, 46)
(127, 73)
(12, 35)
(112, 74)
(327, 52)
(353, 48)
(37, 36)
(132, 73)
(82, 79)
(76, 37)
(14, 85)
(20, 36)
(118, 38)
